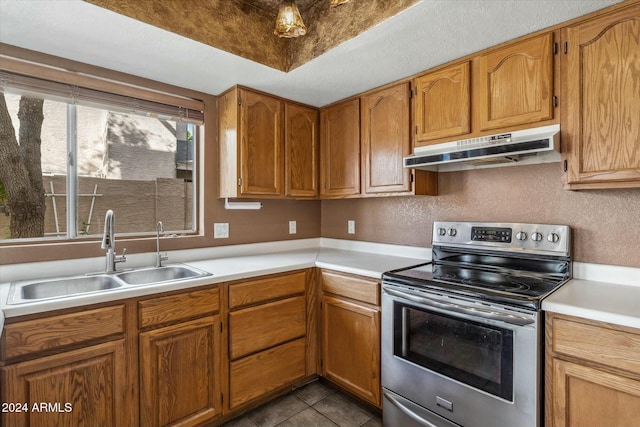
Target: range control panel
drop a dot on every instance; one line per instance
(535, 238)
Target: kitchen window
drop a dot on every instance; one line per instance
(78, 152)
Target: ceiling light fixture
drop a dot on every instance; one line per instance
(289, 22)
(336, 3)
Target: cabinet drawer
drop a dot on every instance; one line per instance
(173, 308)
(54, 332)
(357, 288)
(592, 342)
(266, 371)
(257, 291)
(257, 328)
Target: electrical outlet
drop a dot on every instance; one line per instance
(221, 230)
(351, 226)
(292, 227)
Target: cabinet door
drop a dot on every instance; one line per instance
(340, 149)
(602, 107)
(86, 387)
(261, 162)
(588, 397)
(179, 373)
(351, 347)
(385, 140)
(516, 84)
(443, 104)
(301, 151)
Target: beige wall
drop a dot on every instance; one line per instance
(605, 223)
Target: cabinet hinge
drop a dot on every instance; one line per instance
(555, 48)
(410, 93)
(239, 100)
(564, 165)
(320, 363)
(220, 326)
(239, 182)
(416, 129)
(566, 47)
(222, 398)
(555, 101)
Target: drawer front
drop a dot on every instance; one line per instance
(266, 371)
(257, 291)
(357, 288)
(173, 308)
(257, 328)
(53, 332)
(600, 344)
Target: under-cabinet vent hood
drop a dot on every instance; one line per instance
(530, 146)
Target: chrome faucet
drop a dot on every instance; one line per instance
(159, 257)
(109, 243)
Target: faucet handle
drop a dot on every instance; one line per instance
(121, 258)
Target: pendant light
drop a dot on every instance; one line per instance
(289, 22)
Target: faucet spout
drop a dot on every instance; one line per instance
(159, 256)
(109, 243)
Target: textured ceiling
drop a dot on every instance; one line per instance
(427, 34)
(245, 27)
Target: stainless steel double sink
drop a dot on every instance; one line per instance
(61, 287)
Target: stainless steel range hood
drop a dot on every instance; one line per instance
(530, 146)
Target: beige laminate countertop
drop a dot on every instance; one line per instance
(223, 269)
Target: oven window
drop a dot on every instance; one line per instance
(471, 352)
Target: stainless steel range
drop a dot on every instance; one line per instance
(462, 335)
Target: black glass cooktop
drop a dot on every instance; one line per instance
(489, 282)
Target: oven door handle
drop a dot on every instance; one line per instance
(408, 411)
(513, 319)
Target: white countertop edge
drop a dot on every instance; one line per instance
(607, 273)
(592, 314)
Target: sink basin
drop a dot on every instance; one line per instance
(44, 289)
(61, 287)
(154, 275)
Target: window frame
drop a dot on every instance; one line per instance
(43, 66)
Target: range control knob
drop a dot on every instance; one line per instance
(521, 235)
(452, 232)
(553, 238)
(442, 231)
(536, 237)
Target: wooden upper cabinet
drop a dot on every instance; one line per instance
(340, 149)
(443, 104)
(260, 138)
(385, 126)
(301, 150)
(250, 143)
(601, 83)
(515, 84)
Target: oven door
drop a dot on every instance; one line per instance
(470, 362)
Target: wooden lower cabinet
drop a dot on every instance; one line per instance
(351, 336)
(85, 387)
(179, 373)
(591, 397)
(592, 373)
(267, 336)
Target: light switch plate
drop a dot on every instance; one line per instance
(351, 226)
(292, 227)
(221, 230)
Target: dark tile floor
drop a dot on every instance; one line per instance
(313, 405)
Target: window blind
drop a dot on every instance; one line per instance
(40, 88)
